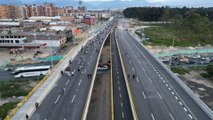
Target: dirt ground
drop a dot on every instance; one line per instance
(202, 87)
(100, 103)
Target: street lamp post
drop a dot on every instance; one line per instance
(50, 51)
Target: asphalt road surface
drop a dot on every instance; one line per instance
(122, 108)
(156, 95)
(67, 99)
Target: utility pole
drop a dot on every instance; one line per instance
(170, 61)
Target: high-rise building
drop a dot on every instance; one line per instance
(37, 10)
(9, 12)
(50, 9)
(27, 11)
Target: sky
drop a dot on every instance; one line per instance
(113, 4)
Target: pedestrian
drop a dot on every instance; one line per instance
(26, 116)
(128, 75)
(133, 76)
(36, 104)
(62, 72)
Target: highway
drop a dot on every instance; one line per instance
(66, 101)
(122, 108)
(156, 94)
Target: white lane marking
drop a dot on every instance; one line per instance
(159, 75)
(171, 116)
(190, 116)
(167, 85)
(176, 97)
(161, 78)
(119, 88)
(73, 98)
(79, 82)
(118, 82)
(133, 69)
(122, 114)
(57, 99)
(118, 77)
(169, 88)
(159, 95)
(164, 81)
(153, 118)
(144, 95)
(65, 118)
(121, 104)
(150, 79)
(88, 63)
(67, 82)
(73, 71)
(144, 70)
(157, 72)
(120, 95)
(82, 72)
(180, 103)
(173, 93)
(85, 70)
(137, 79)
(117, 72)
(185, 109)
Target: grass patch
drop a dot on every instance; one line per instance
(163, 35)
(180, 70)
(5, 108)
(12, 88)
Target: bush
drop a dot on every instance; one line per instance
(179, 70)
(5, 108)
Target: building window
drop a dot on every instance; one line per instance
(17, 41)
(7, 36)
(11, 41)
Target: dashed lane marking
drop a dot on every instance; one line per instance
(73, 98)
(144, 95)
(153, 118)
(79, 82)
(171, 116)
(67, 82)
(159, 95)
(57, 99)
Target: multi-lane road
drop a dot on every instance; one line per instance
(156, 94)
(122, 108)
(66, 101)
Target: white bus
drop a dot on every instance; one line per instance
(31, 71)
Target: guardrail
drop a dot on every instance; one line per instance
(135, 116)
(84, 115)
(200, 103)
(22, 102)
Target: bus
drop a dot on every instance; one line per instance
(31, 71)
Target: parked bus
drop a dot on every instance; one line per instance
(31, 71)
